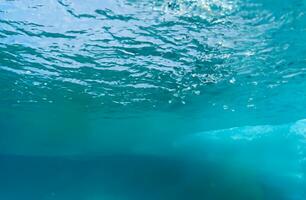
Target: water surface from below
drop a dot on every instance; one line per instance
(130, 99)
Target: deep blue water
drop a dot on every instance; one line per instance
(161, 100)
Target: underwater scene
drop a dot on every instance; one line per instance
(153, 100)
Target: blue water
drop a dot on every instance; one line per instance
(161, 100)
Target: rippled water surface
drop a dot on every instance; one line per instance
(137, 99)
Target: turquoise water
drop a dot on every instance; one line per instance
(163, 100)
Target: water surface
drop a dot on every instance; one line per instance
(176, 99)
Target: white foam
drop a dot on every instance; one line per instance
(299, 128)
(201, 8)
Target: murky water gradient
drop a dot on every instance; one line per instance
(167, 99)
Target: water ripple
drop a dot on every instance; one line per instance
(153, 54)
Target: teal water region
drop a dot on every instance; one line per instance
(165, 99)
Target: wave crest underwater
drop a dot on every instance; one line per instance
(156, 82)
